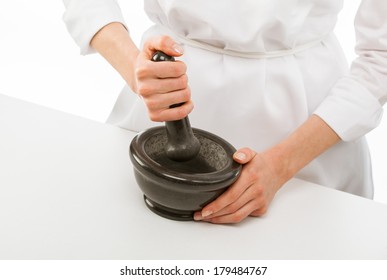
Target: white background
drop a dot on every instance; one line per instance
(39, 62)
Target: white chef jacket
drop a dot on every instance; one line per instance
(259, 68)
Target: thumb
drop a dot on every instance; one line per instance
(244, 155)
(162, 43)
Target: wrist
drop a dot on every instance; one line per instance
(115, 45)
(279, 162)
(306, 143)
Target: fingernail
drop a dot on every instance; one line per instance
(198, 217)
(240, 156)
(206, 213)
(178, 48)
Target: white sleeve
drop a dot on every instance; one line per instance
(84, 18)
(354, 106)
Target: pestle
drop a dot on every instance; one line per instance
(182, 145)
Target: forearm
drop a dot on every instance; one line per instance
(115, 45)
(306, 143)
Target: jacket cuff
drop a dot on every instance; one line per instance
(350, 110)
(84, 20)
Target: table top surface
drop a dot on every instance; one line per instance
(67, 191)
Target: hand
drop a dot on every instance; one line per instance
(162, 84)
(250, 195)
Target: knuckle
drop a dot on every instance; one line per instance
(238, 217)
(252, 174)
(154, 116)
(263, 210)
(183, 81)
(261, 207)
(179, 84)
(141, 72)
(149, 42)
(143, 89)
(164, 41)
(257, 204)
(258, 191)
(184, 67)
(256, 213)
(232, 208)
(151, 104)
(186, 95)
(181, 111)
(180, 68)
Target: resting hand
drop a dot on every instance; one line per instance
(250, 195)
(162, 84)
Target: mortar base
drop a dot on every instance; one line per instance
(169, 213)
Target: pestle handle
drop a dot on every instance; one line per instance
(182, 145)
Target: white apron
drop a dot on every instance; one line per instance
(257, 70)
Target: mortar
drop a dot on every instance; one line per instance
(181, 169)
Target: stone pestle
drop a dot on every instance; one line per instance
(182, 145)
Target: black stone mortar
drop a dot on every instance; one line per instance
(176, 189)
(180, 169)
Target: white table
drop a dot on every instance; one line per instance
(67, 191)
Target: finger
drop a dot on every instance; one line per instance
(162, 43)
(152, 87)
(244, 155)
(172, 114)
(235, 217)
(231, 195)
(228, 197)
(259, 212)
(149, 69)
(253, 195)
(158, 102)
